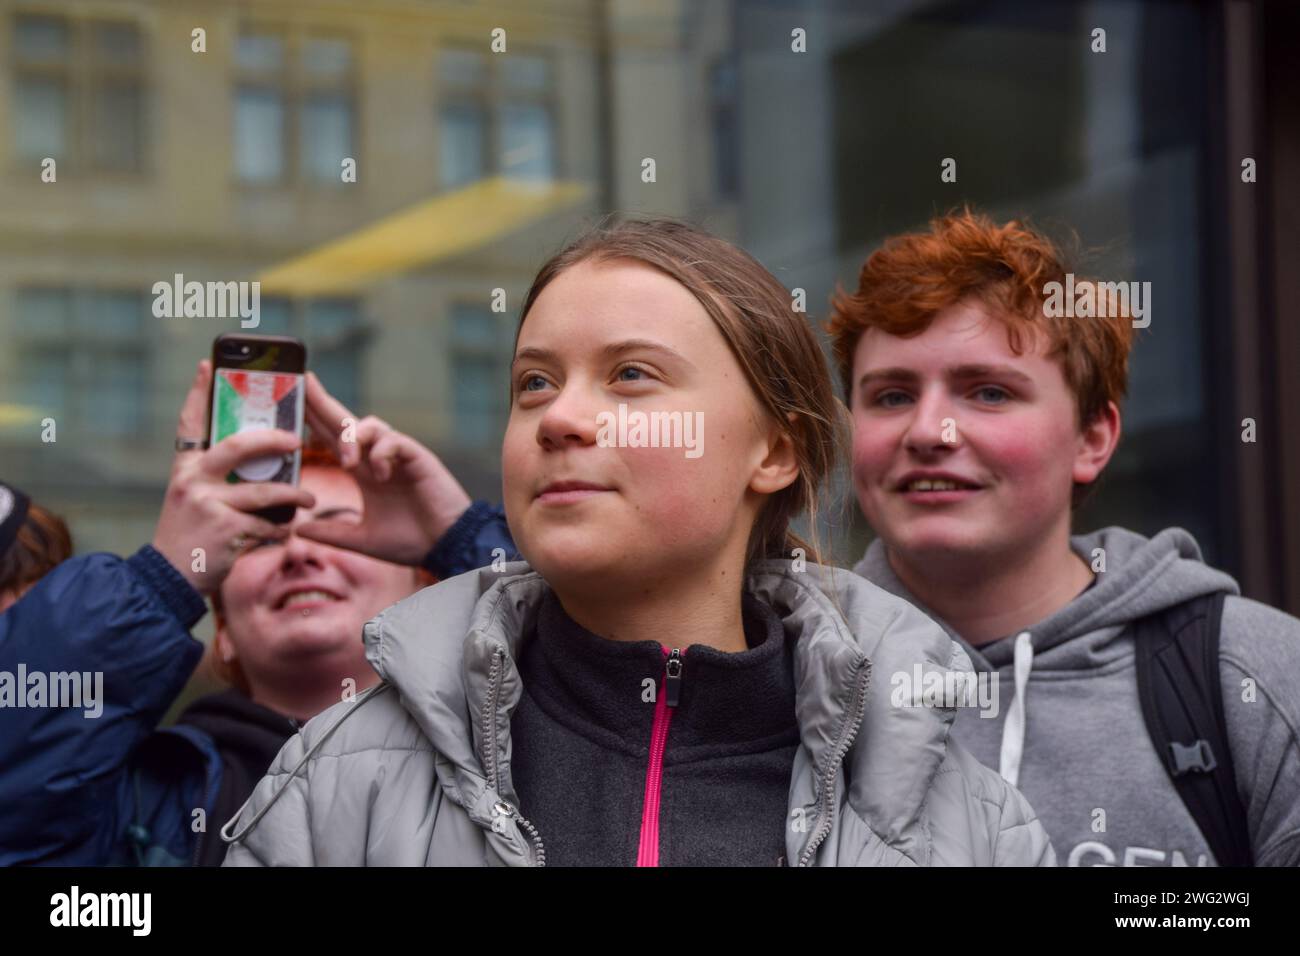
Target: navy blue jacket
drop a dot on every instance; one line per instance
(117, 789)
(478, 537)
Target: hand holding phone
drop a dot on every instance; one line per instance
(206, 521)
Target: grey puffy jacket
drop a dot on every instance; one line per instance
(416, 771)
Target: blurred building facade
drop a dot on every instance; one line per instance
(219, 165)
(806, 131)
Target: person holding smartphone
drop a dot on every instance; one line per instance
(103, 784)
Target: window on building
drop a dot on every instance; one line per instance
(260, 107)
(337, 339)
(497, 116)
(480, 376)
(325, 128)
(85, 359)
(79, 92)
(295, 115)
(725, 128)
(335, 336)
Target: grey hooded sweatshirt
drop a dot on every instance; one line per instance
(418, 770)
(1069, 730)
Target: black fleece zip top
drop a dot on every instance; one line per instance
(612, 771)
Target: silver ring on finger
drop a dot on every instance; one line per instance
(239, 542)
(191, 444)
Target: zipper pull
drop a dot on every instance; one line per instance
(501, 812)
(673, 677)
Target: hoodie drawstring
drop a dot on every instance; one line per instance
(1013, 730)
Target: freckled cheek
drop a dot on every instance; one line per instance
(664, 485)
(676, 494)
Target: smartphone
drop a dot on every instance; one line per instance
(257, 382)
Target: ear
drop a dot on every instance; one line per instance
(1097, 442)
(780, 465)
(222, 645)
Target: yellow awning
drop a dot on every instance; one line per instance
(448, 225)
(17, 416)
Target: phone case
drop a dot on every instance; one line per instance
(244, 400)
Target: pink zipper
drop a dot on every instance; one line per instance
(665, 704)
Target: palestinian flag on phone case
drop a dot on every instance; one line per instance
(241, 396)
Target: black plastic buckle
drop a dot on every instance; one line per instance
(1196, 756)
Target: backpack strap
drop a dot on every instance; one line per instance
(1182, 704)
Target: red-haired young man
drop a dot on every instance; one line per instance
(981, 415)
